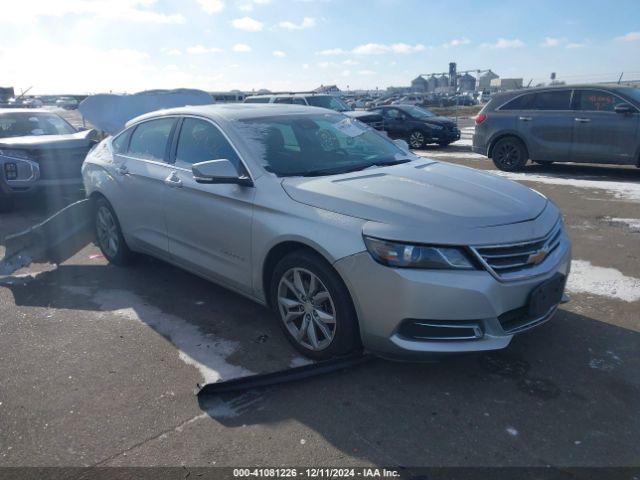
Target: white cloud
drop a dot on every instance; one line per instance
(27, 11)
(456, 42)
(553, 42)
(379, 48)
(505, 43)
(575, 45)
(279, 54)
(201, 49)
(211, 6)
(241, 48)
(173, 51)
(629, 37)
(345, 73)
(349, 62)
(366, 72)
(324, 64)
(307, 22)
(247, 23)
(331, 52)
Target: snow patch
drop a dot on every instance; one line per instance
(206, 353)
(608, 282)
(459, 155)
(512, 431)
(622, 190)
(632, 224)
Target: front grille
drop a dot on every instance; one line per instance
(505, 261)
(60, 163)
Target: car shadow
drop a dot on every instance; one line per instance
(564, 393)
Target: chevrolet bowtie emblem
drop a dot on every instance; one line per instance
(538, 257)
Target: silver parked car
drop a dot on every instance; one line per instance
(352, 240)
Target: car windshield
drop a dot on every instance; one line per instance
(23, 124)
(315, 145)
(419, 112)
(327, 101)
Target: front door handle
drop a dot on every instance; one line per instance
(122, 169)
(173, 180)
(525, 119)
(582, 120)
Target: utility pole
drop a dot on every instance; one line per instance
(620, 78)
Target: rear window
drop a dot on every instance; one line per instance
(256, 100)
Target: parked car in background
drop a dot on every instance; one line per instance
(582, 123)
(352, 240)
(409, 100)
(32, 102)
(324, 101)
(485, 96)
(417, 126)
(68, 103)
(464, 100)
(39, 149)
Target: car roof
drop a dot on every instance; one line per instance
(234, 111)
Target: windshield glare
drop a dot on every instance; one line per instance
(326, 101)
(299, 145)
(24, 124)
(419, 112)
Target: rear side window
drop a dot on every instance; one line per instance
(597, 101)
(299, 101)
(554, 100)
(201, 141)
(283, 100)
(120, 143)
(523, 102)
(256, 100)
(149, 139)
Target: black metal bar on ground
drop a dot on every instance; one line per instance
(284, 376)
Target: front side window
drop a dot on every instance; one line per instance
(25, 124)
(201, 141)
(120, 143)
(312, 145)
(149, 139)
(597, 101)
(553, 100)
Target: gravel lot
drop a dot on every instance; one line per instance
(100, 364)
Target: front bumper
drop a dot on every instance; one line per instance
(386, 298)
(445, 135)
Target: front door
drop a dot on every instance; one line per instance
(141, 171)
(395, 123)
(600, 134)
(209, 226)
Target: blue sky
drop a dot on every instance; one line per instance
(130, 45)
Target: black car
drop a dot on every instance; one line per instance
(417, 125)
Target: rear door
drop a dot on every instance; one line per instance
(600, 134)
(545, 120)
(209, 226)
(141, 171)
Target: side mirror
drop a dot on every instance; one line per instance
(220, 171)
(623, 108)
(401, 144)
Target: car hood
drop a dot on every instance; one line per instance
(425, 199)
(362, 115)
(74, 140)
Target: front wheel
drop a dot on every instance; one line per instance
(315, 309)
(109, 235)
(509, 154)
(417, 139)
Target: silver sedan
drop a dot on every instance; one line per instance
(352, 240)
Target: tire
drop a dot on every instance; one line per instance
(509, 154)
(416, 139)
(314, 307)
(109, 234)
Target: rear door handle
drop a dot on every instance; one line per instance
(122, 169)
(582, 120)
(525, 119)
(173, 180)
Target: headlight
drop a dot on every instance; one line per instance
(434, 127)
(403, 255)
(12, 153)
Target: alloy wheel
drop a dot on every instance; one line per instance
(507, 155)
(416, 140)
(307, 309)
(107, 231)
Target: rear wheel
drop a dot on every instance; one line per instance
(313, 304)
(509, 154)
(417, 139)
(109, 235)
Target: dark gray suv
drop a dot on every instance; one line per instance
(580, 123)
